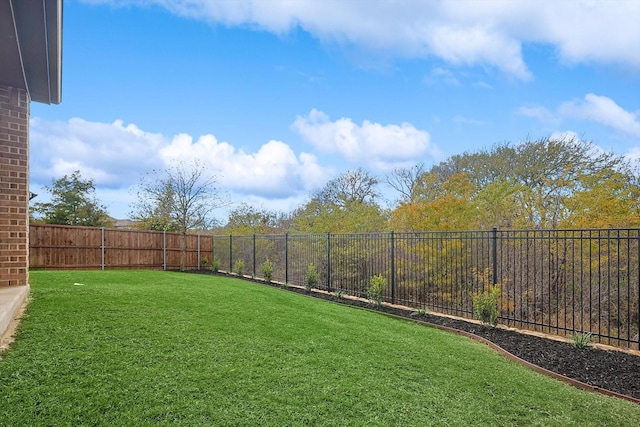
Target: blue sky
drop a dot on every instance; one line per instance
(277, 97)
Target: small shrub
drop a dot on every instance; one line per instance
(582, 340)
(204, 261)
(377, 285)
(339, 294)
(238, 267)
(267, 270)
(215, 264)
(485, 305)
(311, 280)
(420, 312)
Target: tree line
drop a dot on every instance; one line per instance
(539, 184)
(535, 184)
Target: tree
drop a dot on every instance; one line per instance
(179, 198)
(247, 219)
(73, 202)
(317, 217)
(346, 204)
(354, 186)
(155, 213)
(544, 183)
(447, 206)
(607, 199)
(405, 180)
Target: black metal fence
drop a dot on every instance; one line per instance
(554, 281)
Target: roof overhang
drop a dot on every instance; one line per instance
(31, 47)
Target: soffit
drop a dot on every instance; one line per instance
(31, 47)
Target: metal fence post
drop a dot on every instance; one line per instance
(286, 258)
(230, 252)
(329, 261)
(164, 250)
(494, 251)
(254, 254)
(393, 269)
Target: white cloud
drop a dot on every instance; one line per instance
(634, 155)
(478, 45)
(465, 32)
(567, 135)
(591, 31)
(272, 171)
(116, 156)
(581, 31)
(603, 110)
(379, 146)
(110, 153)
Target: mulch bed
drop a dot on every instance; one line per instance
(612, 370)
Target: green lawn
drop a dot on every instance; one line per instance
(147, 348)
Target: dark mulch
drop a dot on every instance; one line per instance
(608, 369)
(612, 370)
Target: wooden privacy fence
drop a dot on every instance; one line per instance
(64, 247)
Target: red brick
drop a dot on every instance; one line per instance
(14, 186)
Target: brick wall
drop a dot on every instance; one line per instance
(14, 186)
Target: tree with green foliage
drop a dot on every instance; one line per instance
(346, 204)
(73, 202)
(606, 199)
(446, 206)
(180, 198)
(545, 183)
(155, 213)
(247, 219)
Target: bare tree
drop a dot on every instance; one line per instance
(179, 198)
(354, 186)
(404, 180)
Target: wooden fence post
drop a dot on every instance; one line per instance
(102, 248)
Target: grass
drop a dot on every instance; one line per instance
(154, 348)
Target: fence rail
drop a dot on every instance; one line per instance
(554, 281)
(70, 248)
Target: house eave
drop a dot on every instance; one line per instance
(31, 47)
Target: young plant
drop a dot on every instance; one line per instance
(377, 285)
(420, 312)
(582, 340)
(204, 261)
(267, 270)
(311, 280)
(485, 305)
(238, 267)
(215, 264)
(339, 294)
